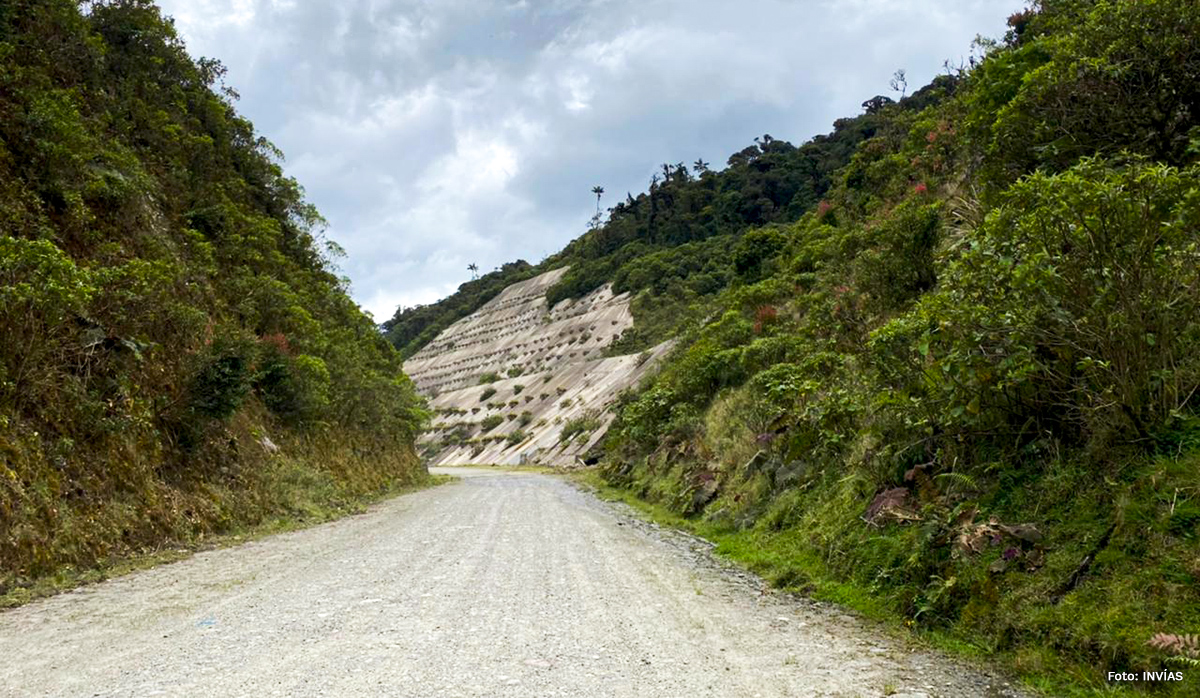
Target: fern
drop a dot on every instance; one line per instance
(965, 481)
(1184, 648)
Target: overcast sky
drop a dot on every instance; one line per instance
(433, 134)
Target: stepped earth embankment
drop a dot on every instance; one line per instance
(518, 381)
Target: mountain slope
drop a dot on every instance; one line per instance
(955, 387)
(962, 393)
(179, 355)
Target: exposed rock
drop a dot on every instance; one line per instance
(268, 445)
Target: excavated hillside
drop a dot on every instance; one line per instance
(518, 381)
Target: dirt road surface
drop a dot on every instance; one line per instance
(501, 584)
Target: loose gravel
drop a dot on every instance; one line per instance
(501, 584)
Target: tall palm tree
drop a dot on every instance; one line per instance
(598, 191)
(474, 269)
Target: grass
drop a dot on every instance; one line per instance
(1137, 584)
(313, 512)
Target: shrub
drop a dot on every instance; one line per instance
(491, 422)
(1077, 306)
(487, 393)
(582, 425)
(296, 389)
(488, 378)
(754, 249)
(222, 380)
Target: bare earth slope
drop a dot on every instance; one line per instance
(497, 585)
(551, 368)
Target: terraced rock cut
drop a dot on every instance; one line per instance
(520, 382)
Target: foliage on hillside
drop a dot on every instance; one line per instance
(413, 327)
(677, 244)
(179, 356)
(962, 388)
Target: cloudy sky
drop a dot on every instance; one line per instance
(433, 134)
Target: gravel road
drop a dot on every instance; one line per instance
(501, 584)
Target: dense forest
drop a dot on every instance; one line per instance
(180, 357)
(941, 365)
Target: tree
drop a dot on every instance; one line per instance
(598, 191)
(876, 104)
(700, 167)
(474, 269)
(899, 83)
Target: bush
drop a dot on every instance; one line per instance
(222, 381)
(1127, 78)
(583, 425)
(489, 423)
(755, 248)
(487, 393)
(296, 389)
(1076, 306)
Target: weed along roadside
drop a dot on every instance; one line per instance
(787, 562)
(306, 513)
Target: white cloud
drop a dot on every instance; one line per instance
(437, 133)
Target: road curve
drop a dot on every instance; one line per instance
(501, 584)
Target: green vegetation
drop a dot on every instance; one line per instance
(960, 391)
(491, 422)
(181, 359)
(674, 246)
(414, 327)
(316, 508)
(487, 393)
(488, 378)
(583, 425)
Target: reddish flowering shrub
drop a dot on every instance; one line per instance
(763, 316)
(277, 340)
